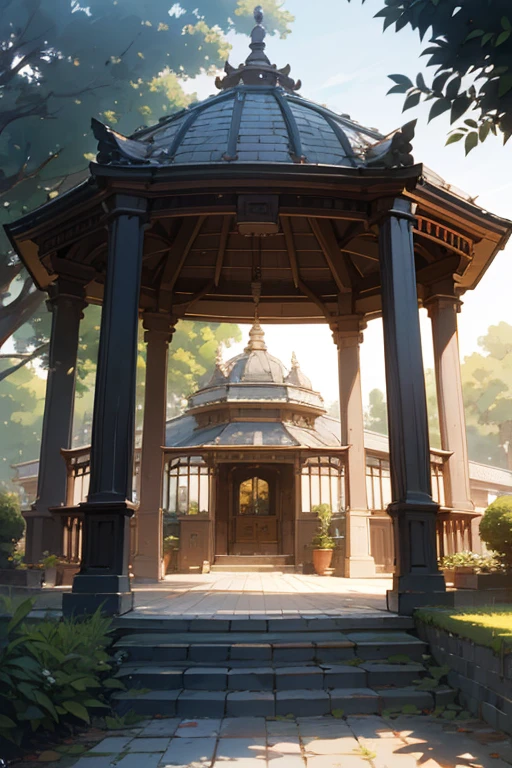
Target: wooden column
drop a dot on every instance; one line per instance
(44, 533)
(147, 563)
(347, 335)
(103, 578)
(443, 310)
(417, 579)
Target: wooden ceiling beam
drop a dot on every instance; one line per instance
(290, 247)
(324, 233)
(179, 250)
(226, 224)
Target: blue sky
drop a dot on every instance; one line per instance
(343, 58)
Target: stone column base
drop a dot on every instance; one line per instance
(405, 603)
(110, 593)
(147, 568)
(42, 534)
(359, 567)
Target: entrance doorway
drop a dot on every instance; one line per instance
(255, 522)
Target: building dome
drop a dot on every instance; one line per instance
(255, 365)
(257, 117)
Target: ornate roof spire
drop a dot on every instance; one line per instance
(295, 362)
(256, 336)
(257, 69)
(219, 363)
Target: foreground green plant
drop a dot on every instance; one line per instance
(496, 529)
(12, 527)
(491, 627)
(323, 539)
(53, 674)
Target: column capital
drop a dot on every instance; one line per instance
(126, 205)
(347, 330)
(158, 324)
(442, 301)
(72, 291)
(396, 207)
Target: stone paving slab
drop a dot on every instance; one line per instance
(370, 741)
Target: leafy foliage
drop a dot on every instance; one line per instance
(124, 62)
(53, 673)
(323, 539)
(471, 51)
(12, 526)
(487, 383)
(496, 529)
(480, 563)
(490, 626)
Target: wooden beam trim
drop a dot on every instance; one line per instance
(180, 249)
(290, 247)
(324, 233)
(226, 224)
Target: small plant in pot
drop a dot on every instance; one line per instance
(49, 564)
(323, 542)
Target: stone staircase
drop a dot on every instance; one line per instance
(253, 564)
(267, 668)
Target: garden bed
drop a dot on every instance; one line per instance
(476, 643)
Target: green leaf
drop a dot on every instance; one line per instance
(505, 23)
(473, 34)
(31, 713)
(410, 709)
(6, 722)
(112, 683)
(338, 713)
(453, 138)
(438, 107)
(439, 672)
(449, 714)
(412, 100)
(502, 38)
(76, 709)
(43, 701)
(95, 703)
(471, 123)
(402, 88)
(459, 106)
(401, 80)
(399, 658)
(428, 684)
(420, 82)
(21, 611)
(471, 141)
(505, 85)
(483, 131)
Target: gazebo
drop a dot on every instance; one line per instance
(254, 200)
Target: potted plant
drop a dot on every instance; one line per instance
(465, 565)
(171, 546)
(49, 564)
(12, 526)
(447, 566)
(323, 542)
(496, 533)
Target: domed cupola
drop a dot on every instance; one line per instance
(255, 365)
(296, 378)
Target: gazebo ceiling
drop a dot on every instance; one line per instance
(258, 189)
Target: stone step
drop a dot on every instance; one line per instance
(252, 568)
(323, 647)
(167, 625)
(268, 678)
(305, 702)
(254, 560)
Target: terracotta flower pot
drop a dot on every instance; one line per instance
(322, 560)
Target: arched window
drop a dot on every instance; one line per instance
(254, 497)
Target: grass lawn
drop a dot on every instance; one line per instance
(488, 625)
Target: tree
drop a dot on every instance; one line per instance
(471, 50)
(376, 416)
(487, 383)
(63, 62)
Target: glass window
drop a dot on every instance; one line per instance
(187, 490)
(322, 482)
(254, 497)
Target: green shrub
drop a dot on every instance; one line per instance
(52, 673)
(12, 527)
(171, 543)
(496, 529)
(323, 539)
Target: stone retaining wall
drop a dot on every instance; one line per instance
(483, 678)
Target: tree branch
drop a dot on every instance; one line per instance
(18, 312)
(26, 359)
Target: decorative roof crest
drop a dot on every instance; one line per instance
(256, 336)
(257, 69)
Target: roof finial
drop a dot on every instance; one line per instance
(295, 362)
(219, 363)
(257, 46)
(257, 69)
(256, 335)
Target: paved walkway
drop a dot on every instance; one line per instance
(260, 595)
(325, 742)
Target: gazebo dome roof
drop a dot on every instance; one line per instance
(256, 376)
(257, 117)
